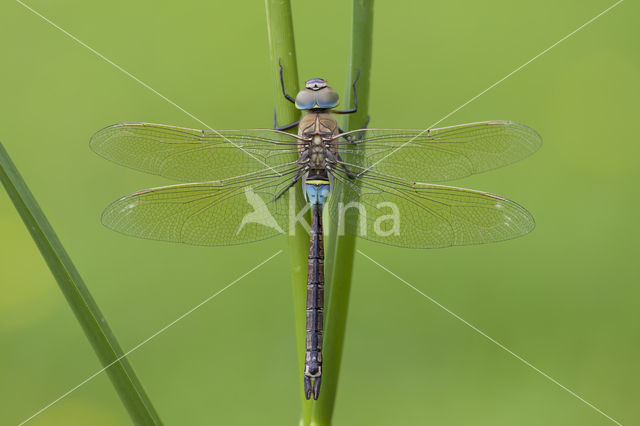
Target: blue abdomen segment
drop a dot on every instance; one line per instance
(317, 193)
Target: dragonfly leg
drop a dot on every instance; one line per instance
(366, 123)
(355, 99)
(349, 173)
(284, 92)
(286, 126)
(336, 159)
(295, 179)
(350, 138)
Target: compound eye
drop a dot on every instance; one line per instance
(327, 98)
(305, 99)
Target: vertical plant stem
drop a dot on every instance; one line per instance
(341, 248)
(283, 51)
(75, 291)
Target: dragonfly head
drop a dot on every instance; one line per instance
(317, 95)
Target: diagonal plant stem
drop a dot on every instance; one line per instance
(341, 248)
(283, 51)
(75, 291)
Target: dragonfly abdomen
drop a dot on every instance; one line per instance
(317, 192)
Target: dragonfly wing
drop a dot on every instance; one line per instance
(193, 155)
(208, 213)
(428, 216)
(438, 155)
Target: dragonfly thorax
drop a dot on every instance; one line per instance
(317, 157)
(316, 131)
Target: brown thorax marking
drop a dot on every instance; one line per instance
(315, 131)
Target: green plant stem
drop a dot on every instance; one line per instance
(75, 291)
(282, 46)
(341, 248)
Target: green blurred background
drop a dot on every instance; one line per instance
(565, 298)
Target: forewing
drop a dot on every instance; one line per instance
(193, 155)
(208, 213)
(428, 216)
(438, 155)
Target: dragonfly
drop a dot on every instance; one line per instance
(382, 185)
